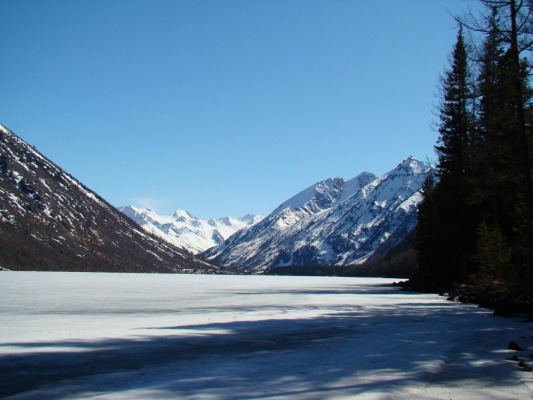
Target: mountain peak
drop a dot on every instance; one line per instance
(415, 165)
(182, 215)
(316, 197)
(185, 230)
(333, 222)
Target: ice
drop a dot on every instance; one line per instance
(150, 336)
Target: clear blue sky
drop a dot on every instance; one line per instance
(223, 107)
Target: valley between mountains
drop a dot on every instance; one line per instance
(51, 221)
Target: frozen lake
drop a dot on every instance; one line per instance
(140, 336)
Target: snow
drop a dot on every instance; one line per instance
(330, 188)
(4, 129)
(17, 202)
(47, 211)
(351, 217)
(134, 336)
(412, 201)
(299, 200)
(417, 166)
(353, 185)
(185, 230)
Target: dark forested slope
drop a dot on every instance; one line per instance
(50, 221)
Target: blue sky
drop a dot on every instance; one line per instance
(223, 107)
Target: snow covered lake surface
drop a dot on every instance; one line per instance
(138, 336)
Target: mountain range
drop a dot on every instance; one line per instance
(333, 222)
(51, 221)
(187, 231)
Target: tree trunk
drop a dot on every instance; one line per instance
(523, 141)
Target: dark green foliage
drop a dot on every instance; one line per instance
(455, 116)
(493, 256)
(445, 238)
(475, 224)
(399, 262)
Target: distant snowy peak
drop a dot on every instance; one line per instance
(250, 219)
(183, 229)
(182, 215)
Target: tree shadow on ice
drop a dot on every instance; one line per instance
(378, 289)
(389, 348)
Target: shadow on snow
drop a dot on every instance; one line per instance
(391, 347)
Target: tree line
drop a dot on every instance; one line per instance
(475, 224)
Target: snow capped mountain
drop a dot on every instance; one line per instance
(50, 221)
(332, 222)
(187, 231)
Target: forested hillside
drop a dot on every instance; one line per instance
(49, 221)
(476, 220)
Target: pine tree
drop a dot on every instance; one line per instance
(493, 258)
(457, 220)
(494, 183)
(476, 222)
(431, 274)
(446, 229)
(503, 181)
(455, 117)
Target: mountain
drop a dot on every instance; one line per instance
(187, 231)
(333, 222)
(50, 221)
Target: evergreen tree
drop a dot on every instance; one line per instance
(493, 258)
(455, 117)
(445, 236)
(476, 222)
(504, 156)
(494, 181)
(431, 273)
(522, 132)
